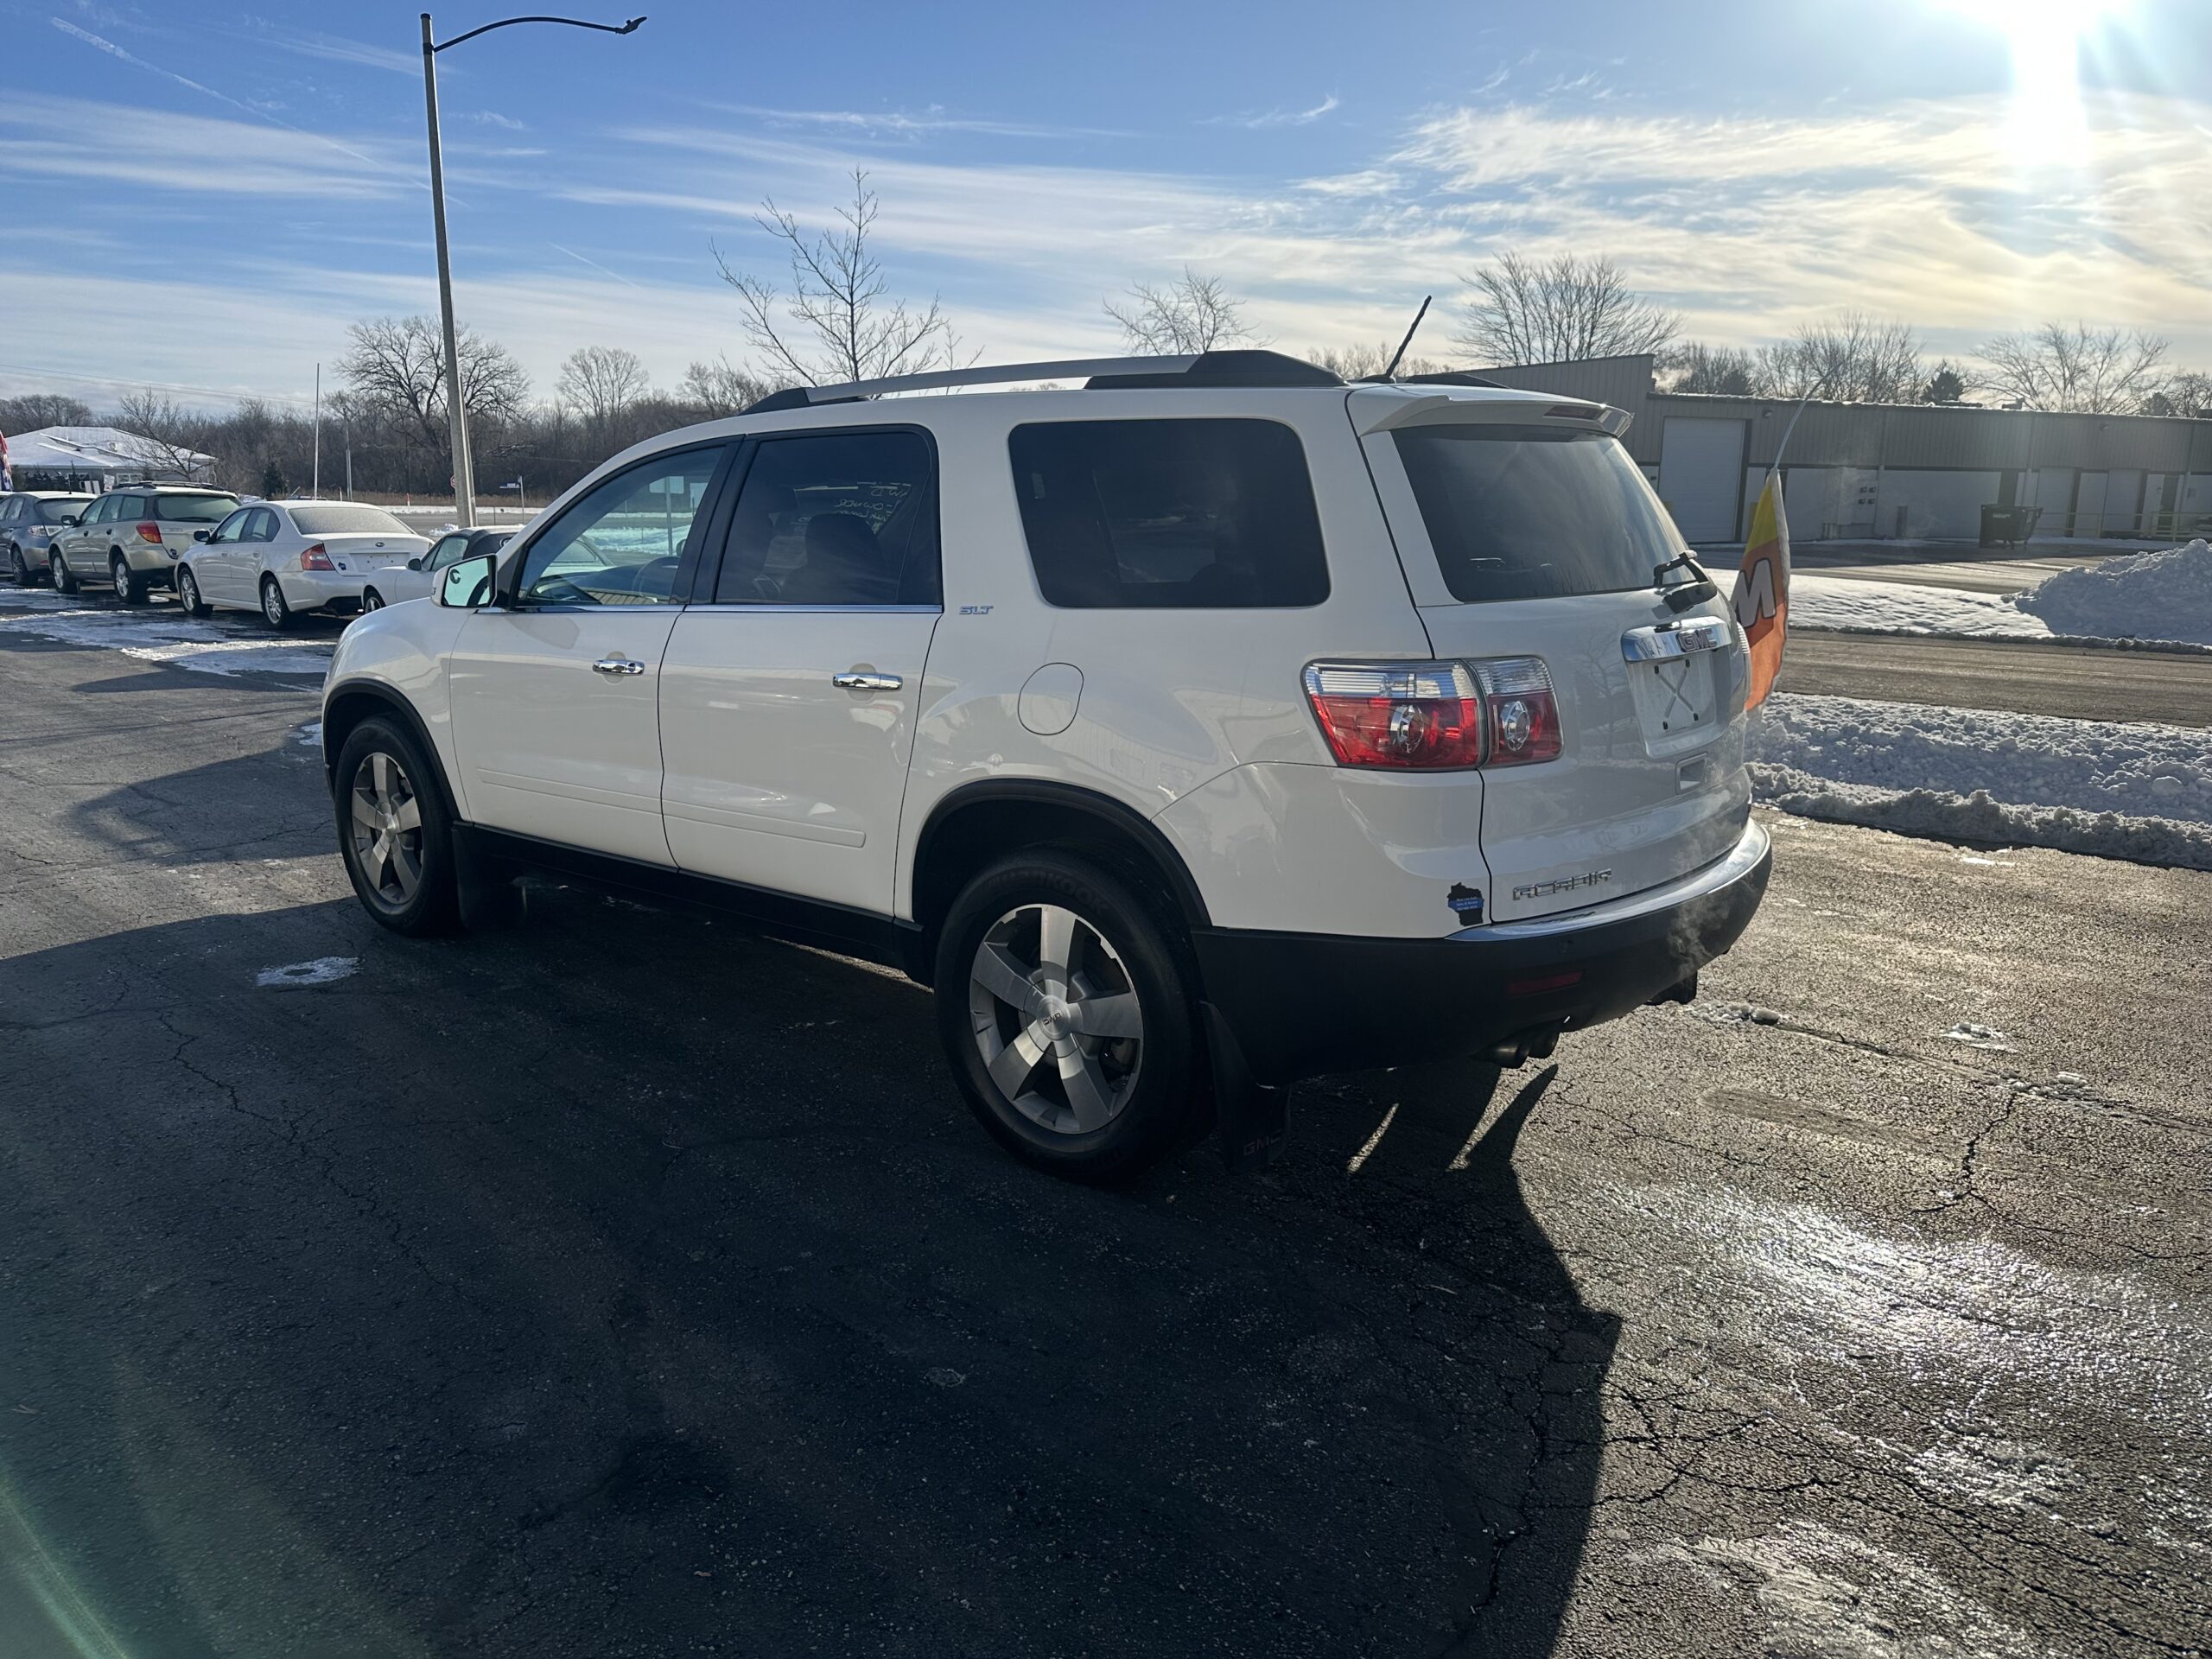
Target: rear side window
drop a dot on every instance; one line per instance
(1189, 514)
(1534, 512)
(834, 519)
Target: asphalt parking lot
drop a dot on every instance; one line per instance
(623, 1284)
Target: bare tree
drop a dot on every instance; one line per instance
(1365, 362)
(1192, 314)
(2095, 370)
(396, 372)
(1854, 359)
(835, 323)
(2189, 393)
(1727, 370)
(720, 388)
(1529, 310)
(600, 383)
(173, 434)
(34, 411)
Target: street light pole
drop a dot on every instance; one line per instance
(464, 483)
(464, 477)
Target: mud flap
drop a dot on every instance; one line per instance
(489, 889)
(1251, 1119)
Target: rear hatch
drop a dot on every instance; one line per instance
(179, 516)
(1525, 530)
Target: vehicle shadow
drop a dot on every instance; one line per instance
(625, 1282)
(219, 813)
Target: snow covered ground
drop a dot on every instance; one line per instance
(165, 635)
(2164, 597)
(2140, 792)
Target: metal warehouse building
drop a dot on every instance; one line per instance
(1908, 470)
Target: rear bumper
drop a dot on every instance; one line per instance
(320, 590)
(1300, 1004)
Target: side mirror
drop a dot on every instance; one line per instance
(415, 563)
(201, 535)
(468, 583)
(69, 519)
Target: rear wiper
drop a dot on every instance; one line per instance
(1680, 596)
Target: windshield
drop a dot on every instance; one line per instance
(53, 513)
(345, 518)
(1534, 513)
(195, 509)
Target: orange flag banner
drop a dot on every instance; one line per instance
(1763, 589)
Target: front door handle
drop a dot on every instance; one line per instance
(613, 666)
(866, 680)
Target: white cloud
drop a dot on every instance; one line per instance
(1266, 118)
(118, 142)
(899, 124)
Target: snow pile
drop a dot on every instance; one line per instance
(169, 637)
(2140, 792)
(1895, 607)
(2145, 597)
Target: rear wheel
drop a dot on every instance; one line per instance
(130, 586)
(58, 572)
(274, 610)
(188, 593)
(370, 601)
(1066, 1006)
(18, 568)
(393, 831)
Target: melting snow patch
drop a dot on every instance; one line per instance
(321, 971)
(178, 641)
(1974, 1036)
(1895, 607)
(943, 1376)
(309, 736)
(2146, 596)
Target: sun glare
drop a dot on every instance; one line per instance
(2044, 38)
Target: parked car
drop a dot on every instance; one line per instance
(287, 558)
(28, 521)
(129, 538)
(1209, 728)
(415, 579)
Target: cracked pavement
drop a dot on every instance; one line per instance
(626, 1285)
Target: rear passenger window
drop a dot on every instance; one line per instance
(834, 519)
(1186, 514)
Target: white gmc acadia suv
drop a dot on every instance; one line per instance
(1213, 726)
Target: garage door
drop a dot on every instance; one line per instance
(1701, 476)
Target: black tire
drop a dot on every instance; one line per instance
(59, 572)
(432, 906)
(130, 586)
(1156, 1082)
(276, 610)
(18, 567)
(370, 601)
(188, 592)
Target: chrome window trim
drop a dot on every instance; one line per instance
(820, 610)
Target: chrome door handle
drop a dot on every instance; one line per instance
(857, 681)
(617, 666)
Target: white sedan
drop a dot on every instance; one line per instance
(284, 558)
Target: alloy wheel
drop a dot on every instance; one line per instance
(272, 604)
(1056, 1019)
(119, 573)
(18, 568)
(188, 592)
(372, 600)
(387, 829)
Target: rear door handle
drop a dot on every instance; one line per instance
(856, 680)
(613, 666)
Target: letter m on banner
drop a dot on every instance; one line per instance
(1763, 589)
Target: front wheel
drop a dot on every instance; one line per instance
(274, 610)
(393, 831)
(1066, 1005)
(58, 572)
(187, 593)
(130, 586)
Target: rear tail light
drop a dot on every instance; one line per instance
(150, 531)
(1523, 716)
(316, 558)
(1436, 716)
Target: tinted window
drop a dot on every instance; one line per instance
(260, 527)
(1195, 514)
(447, 548)
(834, 519)
(232, 529)
(1530, 512)
(103, 510)
(623, 543)
(194, 508)
(345, 518)
(53, 513)
(13, 509)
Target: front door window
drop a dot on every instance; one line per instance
(625, 541)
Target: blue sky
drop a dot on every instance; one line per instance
(203, 195)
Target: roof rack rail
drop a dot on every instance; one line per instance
(1239, 368)
(1440, 378)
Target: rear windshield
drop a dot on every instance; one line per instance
(345, 518)
(1194, 514)
(195, 509)
(53, 513)
(1534, 513)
